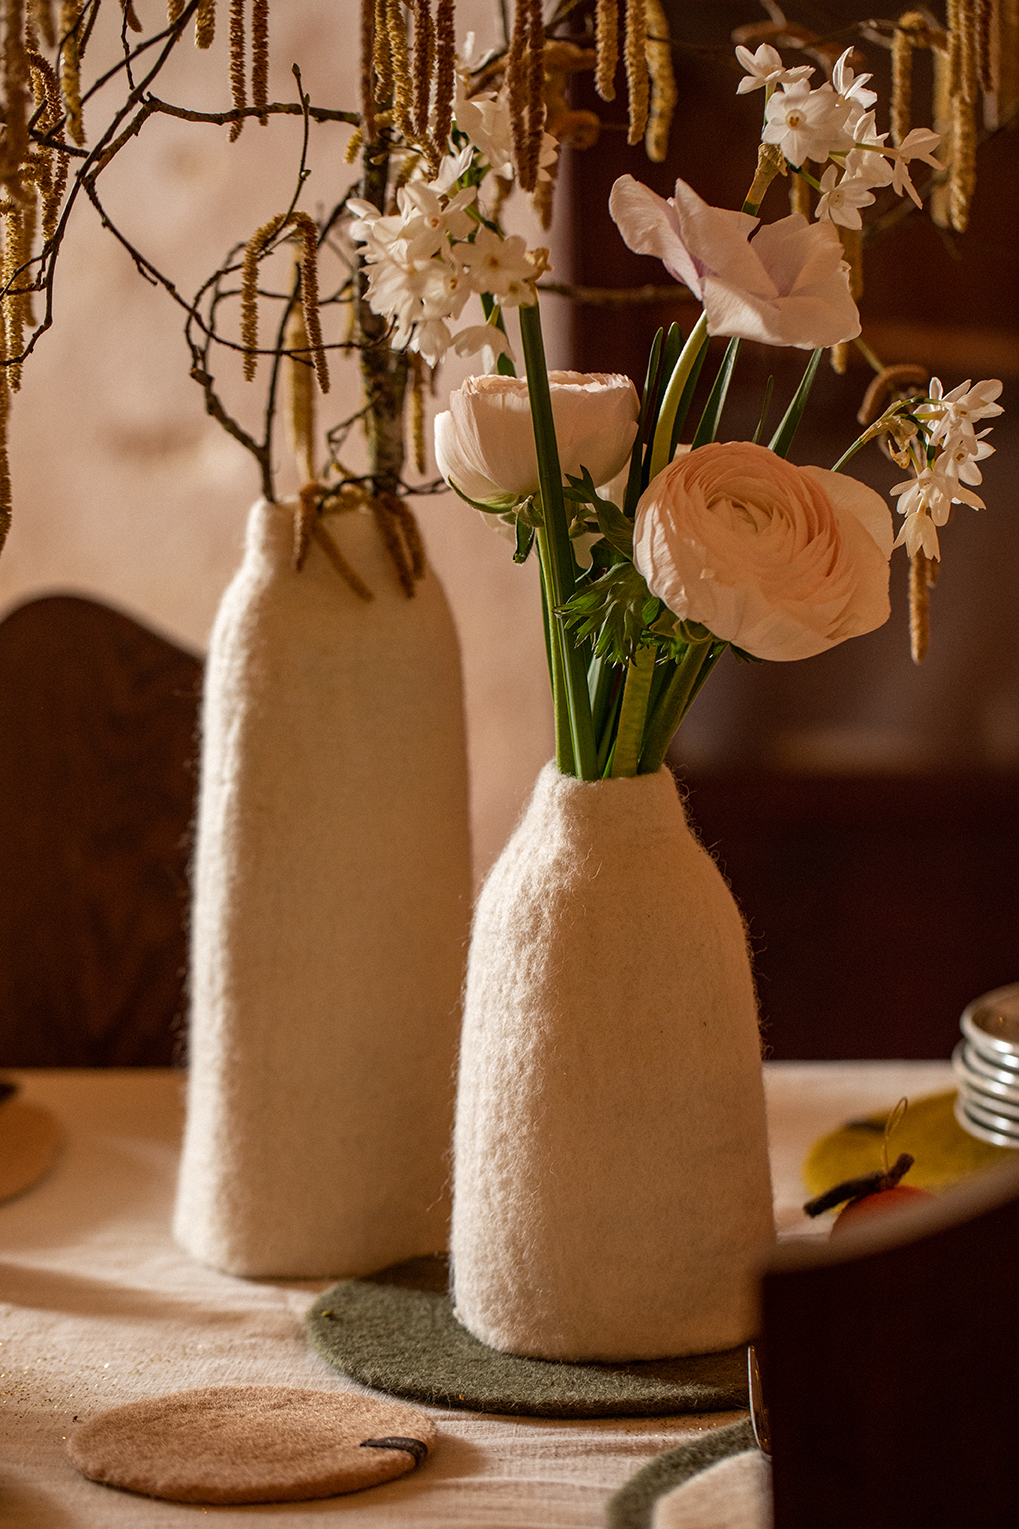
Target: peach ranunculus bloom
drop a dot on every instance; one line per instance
(787, 286)
(484, 442)
(779, 560)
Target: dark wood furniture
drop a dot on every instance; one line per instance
(97, 742)
(889, 1367)
(877, 906)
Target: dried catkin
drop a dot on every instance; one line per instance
(424, 59)
(52, 165)
(901, 105)
(636, 68)
(852, 248)
(249, 291)
(5, 466)
(417, 413)
(381, 56)
(1008, 59)
(174, 10)
(516, 84)
(238, 75)
(368, 41)
(535, 93)
(205, 23)
(664, 95)
(606, 32)
(13, 276)
(987, 26)
(260, 59)
(41, 12)
(403, 85)
(131, 16)
(309, 294)
(940, 199)
(16, 88)
(70, 72)
(445, 72)
(300, 395)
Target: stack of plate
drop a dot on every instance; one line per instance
(986, 1063)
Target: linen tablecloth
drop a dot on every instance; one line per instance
(99, 1307)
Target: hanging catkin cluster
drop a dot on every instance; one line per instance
(238, 58)
(407, 79)
(260, 243)
(650, 81)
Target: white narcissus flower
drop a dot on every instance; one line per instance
(497, 265)
(484, 442)
(851, 88)
(926, 502)
(960, 460)
(917, 144)
(789, 286)
(841, 200)
(488, 123)
(765, 68)
(807, 124)
(956, 412)
(782, 561)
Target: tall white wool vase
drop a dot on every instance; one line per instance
(611, 1184)
(330, 916)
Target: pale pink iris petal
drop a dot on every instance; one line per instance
(649, 226)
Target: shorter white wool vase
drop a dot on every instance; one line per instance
(330, 915)
(612, 1192)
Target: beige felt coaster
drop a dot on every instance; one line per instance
(30, 1141)
(235, 1444)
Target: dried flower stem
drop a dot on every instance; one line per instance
(238, 74)
(636, 68)
(70, 73)
(606, 31)
(445, 72)
(260, 58)
(205, 23)
(664, 95)
(923, 572)
(799, 194)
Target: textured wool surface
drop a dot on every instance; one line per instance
(396, 1332)
(332, 897)
(612, 1192)
(30, 1143)
(734, 1494)
(231, 1444)
(633, 1505)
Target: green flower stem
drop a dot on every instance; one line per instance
(563, 738)
(556, 556)
(673, 393)
(691, 671)
(630, 732)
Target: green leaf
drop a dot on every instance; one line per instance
(634, 482)
(783, 437)
(614, 610)
(500, 506)
(769, 388)
(708, 427)
(525, 541)
(616, 527)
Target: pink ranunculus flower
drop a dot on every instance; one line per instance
(782, 561)
(484, 442)
(788, 286)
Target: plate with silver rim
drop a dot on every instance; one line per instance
(991, 1104)
(991, 1024)
(987, 1080)
(968, 1062)
(976, 1127)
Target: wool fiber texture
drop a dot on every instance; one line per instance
(395, 1332)
(329, 924)
(237, 1444)
(612, 1192)
(634, 1504)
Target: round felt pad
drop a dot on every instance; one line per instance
(396, 1332)
(236, 1444)
(944, 1152)
(30, 1142)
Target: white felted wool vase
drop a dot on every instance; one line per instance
(611, 1183)
(330, 916)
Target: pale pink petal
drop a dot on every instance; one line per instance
(649, 227)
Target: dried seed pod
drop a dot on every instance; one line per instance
(606, 31)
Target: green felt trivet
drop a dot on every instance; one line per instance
(633, 1505)
(395, 1331)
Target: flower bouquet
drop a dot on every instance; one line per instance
(611, 1180)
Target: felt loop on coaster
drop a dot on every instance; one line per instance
(395, 1331)
(251, 1444)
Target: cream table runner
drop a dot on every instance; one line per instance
(98, 1307)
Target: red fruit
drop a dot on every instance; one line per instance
(876, 1204)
